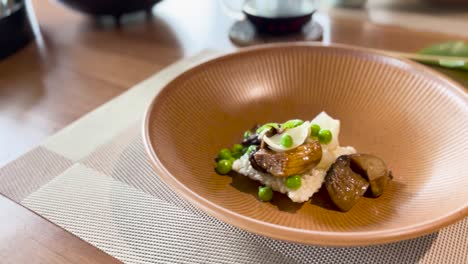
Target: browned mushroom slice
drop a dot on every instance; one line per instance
(254, 163)
(251, 140)
(344, 186)
(373, 169)
(295, 161)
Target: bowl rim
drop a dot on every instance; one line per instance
(298, 235)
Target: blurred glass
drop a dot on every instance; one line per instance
(8, 6)
(269, 8)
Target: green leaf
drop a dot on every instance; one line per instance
(451, 63)
(267, 126)
(292, 123)
(450, 49)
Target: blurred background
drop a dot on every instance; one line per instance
(61, 59)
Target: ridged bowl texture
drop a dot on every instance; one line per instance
(411, 116)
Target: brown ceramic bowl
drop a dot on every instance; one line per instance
(411, 116)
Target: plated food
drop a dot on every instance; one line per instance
(396, 109)
(297, 157)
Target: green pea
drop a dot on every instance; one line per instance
(247, 134)
(292, 123)
(224, 154)
(293, 182)
(265, 193)
(237, 148)
(267, 126)
(237, 155)
(314, 130)
(325, 136)
(236, 151)
(286, 140)
(224, 166)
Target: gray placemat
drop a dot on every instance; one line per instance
(94, 180)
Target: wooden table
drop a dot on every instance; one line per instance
(77, 64)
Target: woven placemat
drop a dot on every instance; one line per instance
(94, 180)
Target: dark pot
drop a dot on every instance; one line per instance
(109, 7)
(15, 30)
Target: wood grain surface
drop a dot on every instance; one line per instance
(77, 63)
